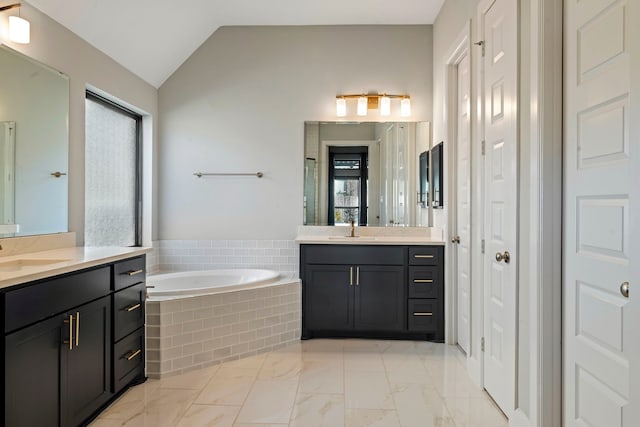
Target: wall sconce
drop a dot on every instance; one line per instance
(373, 101)
(19, 28)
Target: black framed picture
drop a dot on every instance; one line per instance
(423, 196)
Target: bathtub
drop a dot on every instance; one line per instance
(192, 283)
(200, 318)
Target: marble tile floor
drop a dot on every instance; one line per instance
(333, 383)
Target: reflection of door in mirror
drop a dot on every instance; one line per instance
(7, 167)
(309, 202)
(348, 177)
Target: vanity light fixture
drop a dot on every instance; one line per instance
(373, 101)
(19, 28)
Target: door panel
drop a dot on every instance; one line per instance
(463, 204)
(500, 63)
(601, 157)
(380, 298)
(328, 296)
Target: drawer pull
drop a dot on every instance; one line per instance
(70, 322)
(77, 328)
(134, 272)
(133, 307)
(423, 314)
(423, 281)
(134, 354)
(424, 256)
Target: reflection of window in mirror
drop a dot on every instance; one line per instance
(424, 179)
(347, 185)
(437, 176)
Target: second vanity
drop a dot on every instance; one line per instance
(73, 326)
(389, 285)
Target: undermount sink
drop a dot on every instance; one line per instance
(359, 238)
(20, 264)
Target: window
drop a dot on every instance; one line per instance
(112, 174)
(348, 185)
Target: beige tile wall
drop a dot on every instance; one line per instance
(199, 331)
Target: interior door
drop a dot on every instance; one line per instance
(601, 163)
(500, 62)
(463, 203)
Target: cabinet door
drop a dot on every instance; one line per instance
(380, 298)
(32, 367)
(86, 369)
(328, 297)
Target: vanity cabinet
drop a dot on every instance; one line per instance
(371, 290)
(59, 364)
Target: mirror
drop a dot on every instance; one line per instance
(34, 141)
(365, 172)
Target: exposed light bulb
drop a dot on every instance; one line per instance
(385, 106)
(405, 107)
(19, 30)
(362, 106)
(341, 107)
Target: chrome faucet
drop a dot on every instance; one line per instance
(353, 229)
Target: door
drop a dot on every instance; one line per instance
(601, 233)
(32, 367)
(499, 25)
(86, 369)
(380, 298)
(462, 239)
(328, 297)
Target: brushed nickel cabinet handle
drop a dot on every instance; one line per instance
(134, 272)
(70, 322)
(77, 328)
(350, 276)
(133, 307)
(423, 314)
(422, 281)
(423, 256)
(357, 276)
(134, 354)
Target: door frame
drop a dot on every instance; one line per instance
(459, 48)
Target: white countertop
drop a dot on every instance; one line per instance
(69, 259)
(328, 235)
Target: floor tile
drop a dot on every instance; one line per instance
(367, 390)
(371, 418)
(475, 412)
(194, 380)
(318, 410)
(229, 386)
(325, 377)
(209, 416)
(420, 406)
(281, 366)
(270, 401)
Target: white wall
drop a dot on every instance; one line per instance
(239, 104)
(59, 48)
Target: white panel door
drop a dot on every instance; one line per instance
(500, 63)
(601, 234)
(463, 203)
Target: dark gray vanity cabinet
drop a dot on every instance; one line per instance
(369, 291)
(59, 367)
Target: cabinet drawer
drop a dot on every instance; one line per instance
(425, 282)
(425, 255)
(424, 315)
(129, 272)
(128, 310)
(128, 359)
(44, 299)
(354, 255)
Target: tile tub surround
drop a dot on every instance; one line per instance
(195, 332)
(183, 255)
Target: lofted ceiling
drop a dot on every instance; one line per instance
(152, 38)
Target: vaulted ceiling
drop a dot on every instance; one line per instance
(152, 38)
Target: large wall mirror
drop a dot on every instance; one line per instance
(34, 142)
(368, 173)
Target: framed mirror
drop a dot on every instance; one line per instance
(34, 145)
(366, 172)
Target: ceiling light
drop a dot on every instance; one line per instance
(373, 101)
(19, 28)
